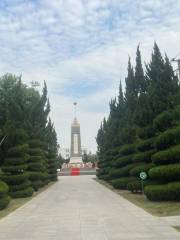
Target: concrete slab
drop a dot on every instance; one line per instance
(79, 208)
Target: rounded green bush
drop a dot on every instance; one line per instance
(121, 183)
(166, 192)
(136, 185)
(14, 168)
(14, 179)
(145, 145)
(143, 156)
(163, 121)
(15, 160)
(142, 168)
(34, 166)
(165, 173)
(146, 132)
(123, 161)
(121, 172)
(21, 186)
(37, 176)
(171, 155)
(3, 188)
(168, 138)
(18, 151)
(4, 201)
(127, 149)
(27, 192)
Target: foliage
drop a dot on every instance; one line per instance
(121, 183)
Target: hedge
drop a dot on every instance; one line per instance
(121, 172)
(14, 179)
(4, 198)
(163, 121)
(123, 161)
(121, 183)
(171, 155)
(168, 138)
(21, 186)
(142, 168)
(143, 156)
(166, 173)
(166, 192)
(145, 145)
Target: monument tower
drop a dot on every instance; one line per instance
(75, 150)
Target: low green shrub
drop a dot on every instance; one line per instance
(166, 192)
(168, 138)
(136, 185)
(27, 192)
(141, 168)
(121, 183)
(171, 155)
(145, 145)
(165, 173)
(3, 188)
(143, 156)
(163, 121)
(4, 201)
(123, 161)
(14, 179)
(21, 186)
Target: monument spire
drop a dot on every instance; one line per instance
(75, 104)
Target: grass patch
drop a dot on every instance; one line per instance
(177, 228)
(18, 202)
(160, 209)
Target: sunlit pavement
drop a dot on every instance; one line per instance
(79, 208)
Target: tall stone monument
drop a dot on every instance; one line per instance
(75, 150)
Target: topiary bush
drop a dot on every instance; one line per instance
(146, 132)
(166, 192)
(123, 161)
(15, 165)
(168, 138)
(121, 183)
(141, 168)
(37, 164)
(165, 173)
(145, 145)
(163, 121)
(52, 165)
(4, 198)
(143, 156)
(121, 172)
(170, 155)
(136, 185)
(127, 149)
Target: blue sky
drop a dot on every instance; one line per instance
(81, 48)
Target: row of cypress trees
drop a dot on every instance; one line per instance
(28, 148)
(142, 130)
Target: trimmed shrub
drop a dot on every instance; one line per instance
(168, 138)
(14, 171)
(165, 173)
(143, 156)
(38, 167)
(142, 168)
(4, 198)
(163, 121)
(145, 145)
(121, 172)
(123, 161)
(136, 185)
(121, 183)
(171, 155)
(52, 165)
(146, 132)
(127, 149)
(166, 192)
(26, 192)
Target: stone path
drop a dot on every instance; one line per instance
(79, 208)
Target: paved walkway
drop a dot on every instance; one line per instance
(79, 208)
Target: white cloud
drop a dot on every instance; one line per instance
(74, 42)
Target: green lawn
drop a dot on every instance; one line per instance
(18, 202)
(160, 209)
